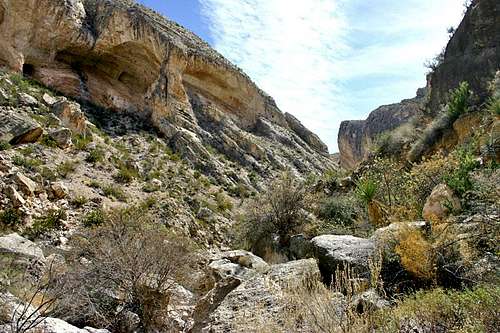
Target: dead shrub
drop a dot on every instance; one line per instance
(417, 255)
(280, 212)
(126, 264)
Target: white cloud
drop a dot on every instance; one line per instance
(304, 53)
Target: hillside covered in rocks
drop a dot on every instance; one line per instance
(148, 185)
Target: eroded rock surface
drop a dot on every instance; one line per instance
(122, 56)
(356, 137)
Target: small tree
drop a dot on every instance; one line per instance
(277, 213)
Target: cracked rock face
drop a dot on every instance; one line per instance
(122, 56)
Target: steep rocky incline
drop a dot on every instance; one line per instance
(472, 55)
(122, 56)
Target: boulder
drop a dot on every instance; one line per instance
(440, 204)
(20, 246)
(62, 137)
(59, 190)
(369, 301)
(338, 252)
(260, 296)
(49, 100)
(245, 259)
(25, 99)
(26, 185)
(18, 129)
(71, 116)
(294, 273)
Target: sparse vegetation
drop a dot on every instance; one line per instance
(278, 212)
(131, 256)
(114, 191)
(4, 145)
(30, 164)
(459, 179)
(494, 106)
(94, 218)
(53, 220)
(459, 101)
(10, 217)
(95, 156)
(66, 168)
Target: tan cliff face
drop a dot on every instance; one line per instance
(472, 55)
(124, 57)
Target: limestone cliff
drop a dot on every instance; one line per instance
(357, 136)
(472, 55)
(122, 56)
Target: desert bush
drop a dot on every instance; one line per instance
(439, 310)
(493, 106)
(280, 211)
(417, 255)
(96, 155)
(80, 142)
(94, 218)
(131, 264)
(430, 136)
(53, 220)
(66, 168)
(459, 100)
(79, 201)
(223, 202)
(10, 217)
(4, 145)
(340, 210)
(31, 164)
(459, 179)
(114, 191)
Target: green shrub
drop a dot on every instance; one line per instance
(114, 191)
(493, 106)
(10, 217)
(459, 179)
(66, 168)
(53, 220)
(94, 218)
(79, 201)
(125, 174)
(96, 155)
(47, 141)
(80, 142)
(48, 173)
(439, 310)
(339, 210)
(4, 145)
(223, 202)
(459, 100)
(31, 164)
(366, 190)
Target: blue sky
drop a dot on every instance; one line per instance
(324, 60)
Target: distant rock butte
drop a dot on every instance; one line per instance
(125, 57)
